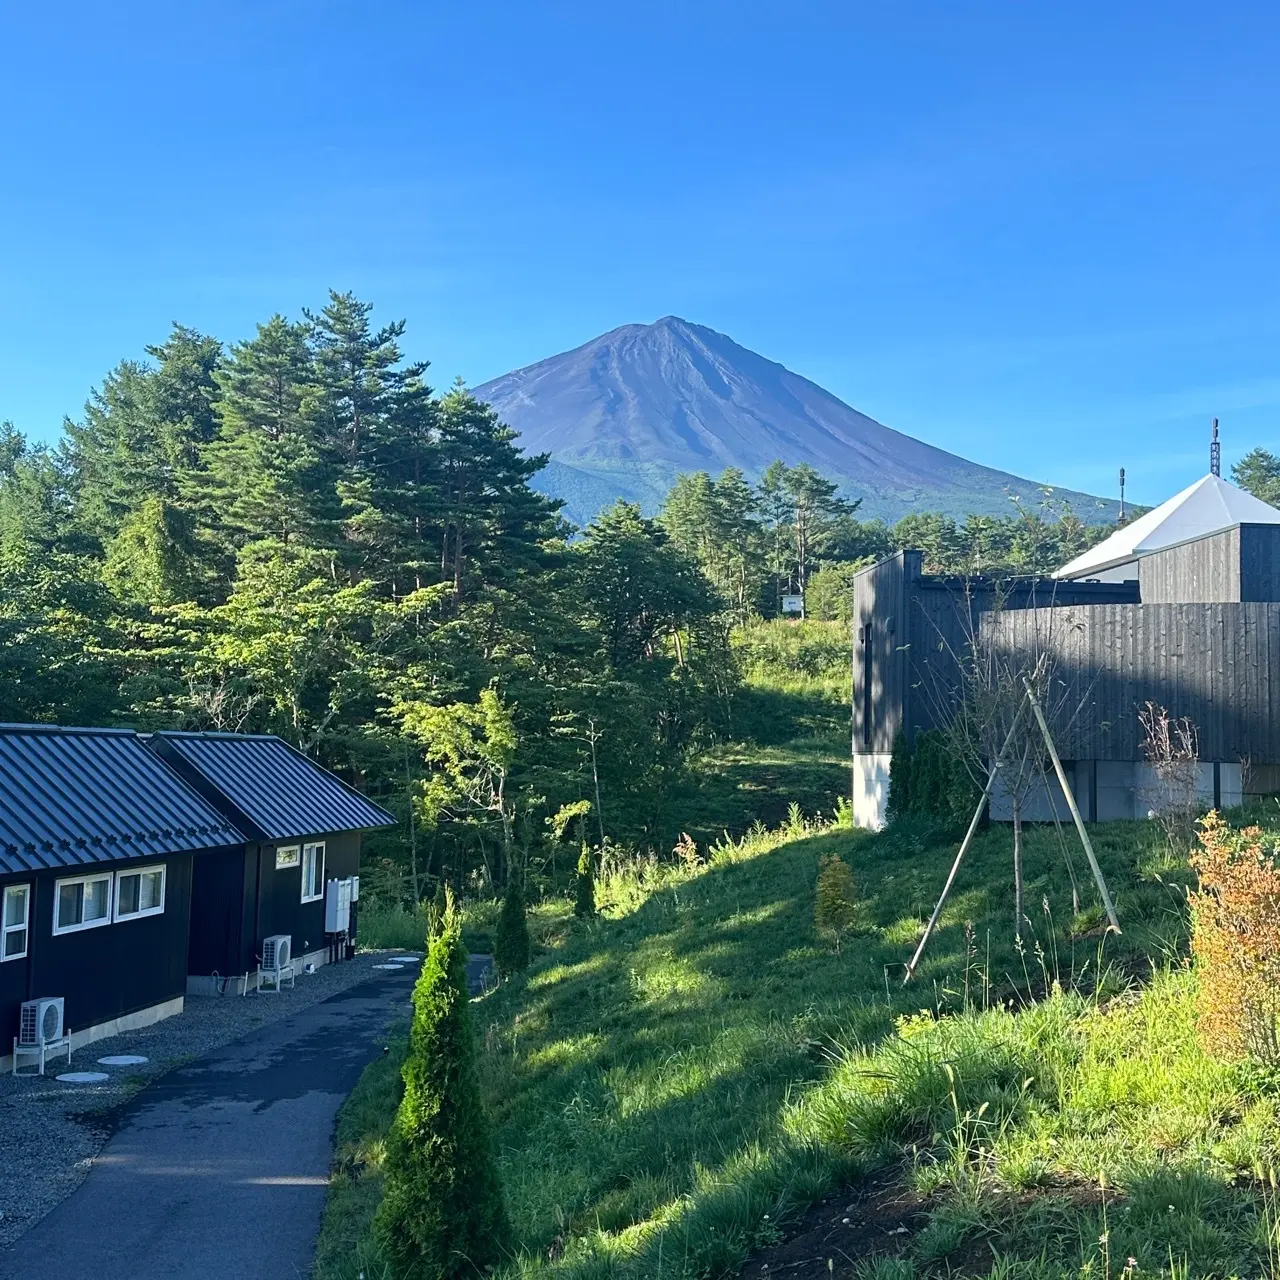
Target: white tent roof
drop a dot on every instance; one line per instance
(1208, 506)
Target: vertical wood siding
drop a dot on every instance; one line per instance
(1215, 663)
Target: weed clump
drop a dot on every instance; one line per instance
(1236, 942)
(835, 906)
(442, 1214)
(511, 946)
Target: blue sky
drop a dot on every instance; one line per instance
(1042, 236)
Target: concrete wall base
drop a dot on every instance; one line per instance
(1123, 790)
(243, 983)
(115, 1026)
(870, 790)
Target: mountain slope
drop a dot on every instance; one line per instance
(624, 414)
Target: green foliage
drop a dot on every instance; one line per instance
(929, 781)
(442, 1211)
(900, 763)
(835, 899)
(511, 943)
(653, 1132)
(1259, 472)
(584, 885)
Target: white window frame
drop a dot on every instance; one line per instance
(311, 850)
(120, 917)
(109, 877)
(288, 856)
(25, 926)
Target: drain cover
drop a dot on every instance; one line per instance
(83, 1077)
(122, 1060)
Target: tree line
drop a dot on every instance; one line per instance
(297, 534)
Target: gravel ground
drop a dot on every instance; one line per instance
(51, 1131)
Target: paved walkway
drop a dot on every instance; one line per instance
(219, 1170)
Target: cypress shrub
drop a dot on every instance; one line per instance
(442, 1215)
(900, 762)
(836, 899)
(511, 945)
(584, 898)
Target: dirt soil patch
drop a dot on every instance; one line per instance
(851, 1225)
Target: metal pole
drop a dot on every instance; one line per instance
(1071, 804)
(964, 847)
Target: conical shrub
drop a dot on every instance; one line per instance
(584, 897)
(442, 1215)
(511, 945)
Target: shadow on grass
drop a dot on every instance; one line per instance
(653, 1048)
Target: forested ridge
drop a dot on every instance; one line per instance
(295, 533)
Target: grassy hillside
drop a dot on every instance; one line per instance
(673, 1084)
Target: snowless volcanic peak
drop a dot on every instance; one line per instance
(622, 415)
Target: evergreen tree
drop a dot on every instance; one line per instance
(901, 792)
(835, 899)
(154, 558)
(1259, 473)
(267, 471)
(584, 885)
(442, 1215)
(511, 945)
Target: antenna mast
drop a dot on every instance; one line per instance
(1215, 452)
(1122, 495)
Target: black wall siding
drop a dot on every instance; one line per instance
(105, 972)
(240, 900)
(919, 626)
(217, 913)
(1211, 662)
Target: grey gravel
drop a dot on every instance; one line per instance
(52, 1131)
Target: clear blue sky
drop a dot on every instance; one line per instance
(1041, 235)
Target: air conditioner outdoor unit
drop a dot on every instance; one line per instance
(277, 951)
(40, 1021)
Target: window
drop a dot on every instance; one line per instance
(312, 872)
(287, 857)
(139, 893)
(13, 921)
(82, 903)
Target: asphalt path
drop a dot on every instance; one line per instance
(219, 1169)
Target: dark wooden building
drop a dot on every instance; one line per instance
(301, 829)
(136, 870)
(1190, 622)
(97, 840)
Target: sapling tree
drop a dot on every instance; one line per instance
(584, 885)
(442, 1215)
(511, 945)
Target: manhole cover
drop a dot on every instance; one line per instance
(122, 1060)
(83, 1077)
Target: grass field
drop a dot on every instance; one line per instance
(672, 1084)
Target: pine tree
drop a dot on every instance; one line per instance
(442, 1215)
(511, 945)
(267, 472)
(836, 900)
(584, 900)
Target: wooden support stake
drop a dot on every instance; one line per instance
(1071, 804)
(964, 847)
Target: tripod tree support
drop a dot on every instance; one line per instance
(964, 847)
(1075, 809)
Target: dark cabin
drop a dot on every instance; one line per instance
(97, 840)
(909, 629)
(1180, 608)
(302, 828)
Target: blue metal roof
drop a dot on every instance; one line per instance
(74, 797)
(277, 788)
